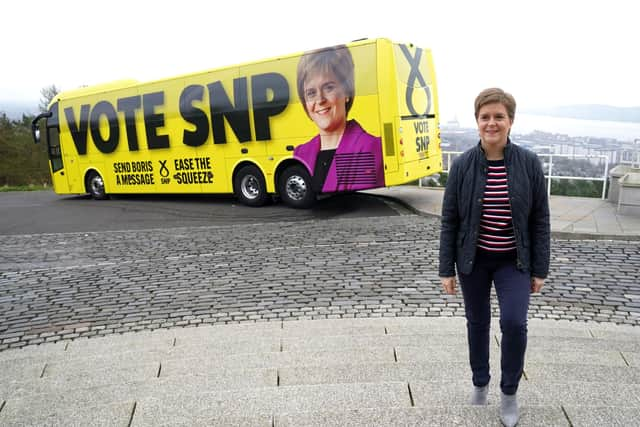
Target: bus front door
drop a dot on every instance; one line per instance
(49, 131)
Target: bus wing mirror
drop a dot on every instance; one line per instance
(35, 132)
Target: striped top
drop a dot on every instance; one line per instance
(496, 227)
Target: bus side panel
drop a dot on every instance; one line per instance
(276, 121)
(100, 139)
(134, 138)
(188, 134)
(192, 162)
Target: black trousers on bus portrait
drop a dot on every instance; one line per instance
(513, 289)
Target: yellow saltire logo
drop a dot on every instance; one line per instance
(414, 75)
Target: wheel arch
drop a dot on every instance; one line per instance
(87, 174)
(283, 166)
(243, 163)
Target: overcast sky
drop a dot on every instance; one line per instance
(546, 53)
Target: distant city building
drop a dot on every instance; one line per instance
(595, 151)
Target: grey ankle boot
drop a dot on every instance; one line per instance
(479, 395)
(509, 413)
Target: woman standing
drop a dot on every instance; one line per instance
(495, 229)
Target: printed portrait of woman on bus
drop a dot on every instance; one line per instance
(343, 156)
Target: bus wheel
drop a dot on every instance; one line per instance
(295, 187)
(249, 186)
(95, 186)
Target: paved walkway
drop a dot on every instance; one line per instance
(384, 371)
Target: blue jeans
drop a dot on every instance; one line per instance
(513, 288)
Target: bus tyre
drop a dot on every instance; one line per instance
(294, 187)
(249, 186)
(95, 186)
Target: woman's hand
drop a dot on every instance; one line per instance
(536, 284)
(449, 284)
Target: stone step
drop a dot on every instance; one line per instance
(454, 415)
(453, 354)
(430, 325)
(311, 328)
(376, 372)
(623, 334)
(220, 380)
(282, 359)
(108, 359)
(237, 377)
(233, 331)
(58, 380)
(443, 393)
(34, 353)
(559, 372)
(134, 384)
(202, 419)
(346, 342)
(202, 407)
(42, 400)
(136, 341)
(116, 414)
(581, 345)
(596, 357)
(597, 416)
(212, 345)
(20, 369)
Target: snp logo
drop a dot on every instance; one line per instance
(164, 172)
(416, 81)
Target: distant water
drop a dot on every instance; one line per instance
(527, 123)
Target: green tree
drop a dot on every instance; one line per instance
(46, 95)
(21, 161)
(575, 187)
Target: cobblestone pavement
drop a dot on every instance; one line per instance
(61, 286)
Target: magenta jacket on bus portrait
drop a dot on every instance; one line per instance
(356, 165)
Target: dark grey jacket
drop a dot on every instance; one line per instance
(462, 208)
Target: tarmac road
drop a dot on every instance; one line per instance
(46, 212)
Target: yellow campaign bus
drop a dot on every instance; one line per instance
(345, 118)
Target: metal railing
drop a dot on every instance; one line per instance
(549, 174)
